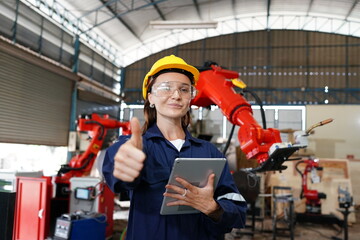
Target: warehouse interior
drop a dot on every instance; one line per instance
(71, 79)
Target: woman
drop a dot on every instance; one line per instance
(142, 164)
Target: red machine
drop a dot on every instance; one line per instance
(80, 165)
(215, 86)
(313, 197)
(37, 192)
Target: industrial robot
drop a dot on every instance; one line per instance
(216, 87)
(77, 195)
(313, 197)
(80, 165)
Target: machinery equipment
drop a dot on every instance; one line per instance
(345, 202)
(345, 199)
(80, 165)
(97, 126)
(313, 197)
(53, 195)
(92, 195)
(216, 87)
(80, 225)
(301, 136)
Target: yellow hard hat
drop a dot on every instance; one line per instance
(166, 63)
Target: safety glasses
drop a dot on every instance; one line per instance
(167, 89)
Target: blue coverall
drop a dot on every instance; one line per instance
(146, 192)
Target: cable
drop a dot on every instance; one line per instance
(297, 169)
(229, 139)
(301, 174)
(259, 102)
(96, 195)
(99, 215)
(123, 234)
(101, 127)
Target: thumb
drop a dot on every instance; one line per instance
(136, 138)
(211, 180)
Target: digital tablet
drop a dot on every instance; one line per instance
(196, 171)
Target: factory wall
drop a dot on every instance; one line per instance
(282, 67)
(339, 139)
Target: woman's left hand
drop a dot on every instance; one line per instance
(199, 198)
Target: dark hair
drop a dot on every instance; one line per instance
(150, 113)
(177, 70)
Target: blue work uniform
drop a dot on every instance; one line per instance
(146, 192)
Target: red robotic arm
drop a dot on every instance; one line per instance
(313, 197)
(97, 126)
(216, 87)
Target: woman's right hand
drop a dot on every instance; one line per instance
(129, 159)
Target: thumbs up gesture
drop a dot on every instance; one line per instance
(129, 159)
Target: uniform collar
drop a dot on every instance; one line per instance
(154, 132)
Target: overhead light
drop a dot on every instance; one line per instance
(183, 24)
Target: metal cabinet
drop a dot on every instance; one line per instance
(32, 211)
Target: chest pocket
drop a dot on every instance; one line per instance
(155, 175)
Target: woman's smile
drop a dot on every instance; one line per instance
(175, 105)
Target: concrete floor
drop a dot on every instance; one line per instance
(303, 231)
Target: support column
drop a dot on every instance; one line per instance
(72, 129)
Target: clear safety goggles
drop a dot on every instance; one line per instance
(167, 89)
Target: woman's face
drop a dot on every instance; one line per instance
(171, 95)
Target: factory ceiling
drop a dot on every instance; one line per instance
(125, 30)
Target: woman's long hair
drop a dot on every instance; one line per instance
(150, 113)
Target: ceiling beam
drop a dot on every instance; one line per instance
(233, 5)
(197, 8)
(352, 9)
(132, 9)
(97, 9)
(114, 12)
(348, 14)
(309, 7)
(162, 16)
(268, 14)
